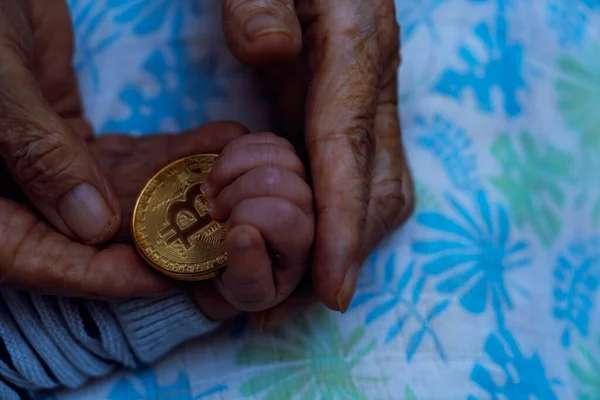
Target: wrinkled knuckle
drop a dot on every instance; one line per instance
(390, 44)
(42, 160)
(398, 207)
(72, 274)
(408, 205)
(360, 140)
(15, 234)
(361, 137)
(51, 262)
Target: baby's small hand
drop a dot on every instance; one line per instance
(258, 185)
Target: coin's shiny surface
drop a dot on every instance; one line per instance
(171, 227)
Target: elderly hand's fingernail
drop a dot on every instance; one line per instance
(346, 292)
(261, 24)
(86, 213)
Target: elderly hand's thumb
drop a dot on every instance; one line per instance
(50, 162)
(262, 32)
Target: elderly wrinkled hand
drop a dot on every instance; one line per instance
(333, 68)
(66, 196)
(55, 202)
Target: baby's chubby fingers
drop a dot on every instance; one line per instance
(264, 181)
(258, 228)
(247, 283)
(247, 153)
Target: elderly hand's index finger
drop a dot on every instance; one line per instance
(340, 117)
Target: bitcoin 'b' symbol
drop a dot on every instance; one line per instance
(184, 219)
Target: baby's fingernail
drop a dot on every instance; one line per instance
(206, 189)
(243, 241)
(210, 208)
(346, 293)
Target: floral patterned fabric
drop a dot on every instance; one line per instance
(489, 291)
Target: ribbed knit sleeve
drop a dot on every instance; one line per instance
(50, 342)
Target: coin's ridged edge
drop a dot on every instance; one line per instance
(213, 273)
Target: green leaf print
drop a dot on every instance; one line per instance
(409, 394)
(532, 181)
(318, 363)
(578, 89)
(586, 369)
(426, 198)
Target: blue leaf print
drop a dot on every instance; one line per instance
(390, 269)
(446, 262)
(455, 282)
(211, 391)
(396, 328)
(362, 298)
(414, 342)
(124, 388)
(381, 310)
(474, 300)
(475, 268)
(440, 245)
(418, 289)
(395, 295)
(592, 4)
(577, 277)
(501, 5)
(569, 19)
(453, 148)
(502, 69)
(408, 273)
(367, 285)
(437, 310)
(413, 14)
(92, 37)
(149, 16)
(184, 88)
(440, 222)
(524, 377)
(517, 247)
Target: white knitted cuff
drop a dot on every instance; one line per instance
(154, 326)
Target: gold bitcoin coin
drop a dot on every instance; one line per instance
(171, 226)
